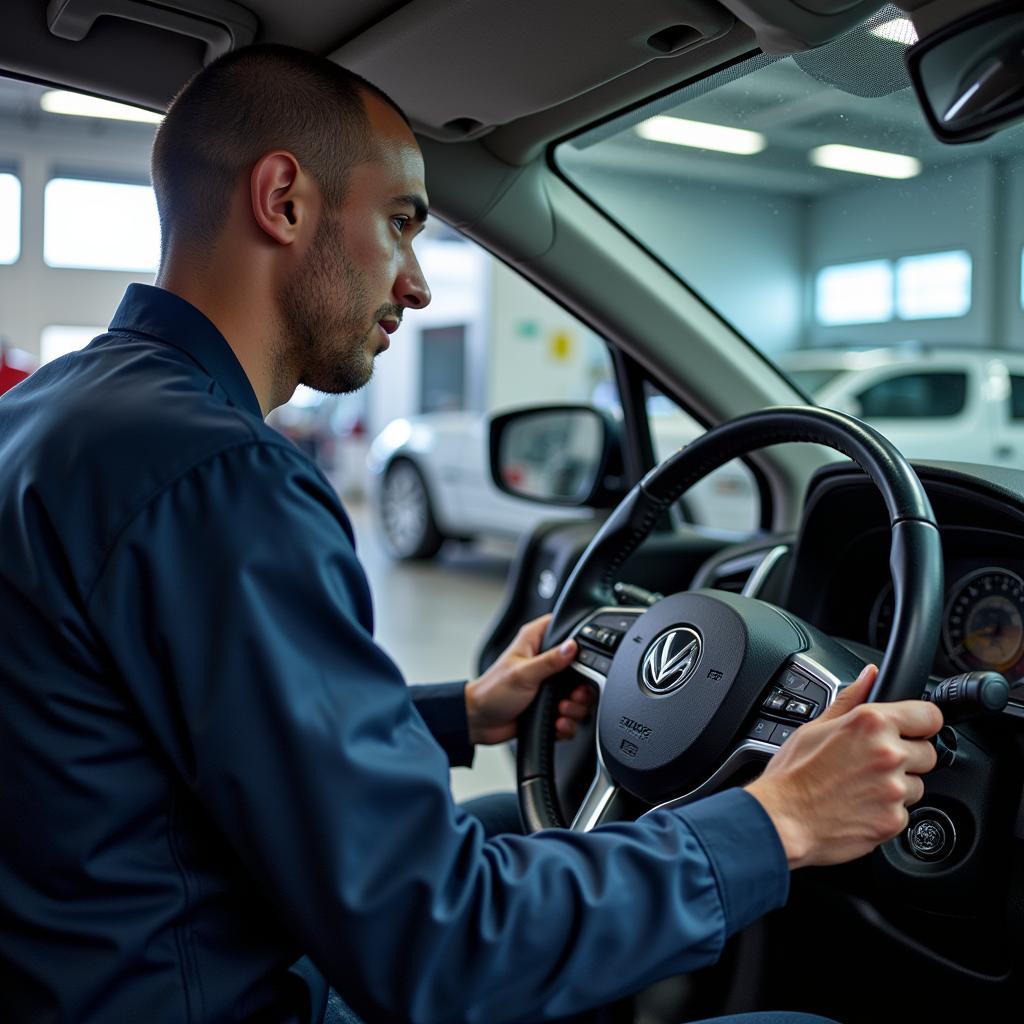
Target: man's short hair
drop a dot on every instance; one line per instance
(243, 105)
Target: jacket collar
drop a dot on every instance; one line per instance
(168, 318)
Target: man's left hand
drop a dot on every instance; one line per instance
(496, 699)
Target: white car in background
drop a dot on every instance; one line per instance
(932, 403)
(431, 481)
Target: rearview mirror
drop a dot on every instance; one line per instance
(559, 455)
(969, 77)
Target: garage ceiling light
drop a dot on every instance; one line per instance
(865, 161)
(701, 135)
(899, 30)
(58, 101)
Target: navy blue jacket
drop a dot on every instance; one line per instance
(209, 768)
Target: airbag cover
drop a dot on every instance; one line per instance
(684, 679)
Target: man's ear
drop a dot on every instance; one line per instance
(281, 197)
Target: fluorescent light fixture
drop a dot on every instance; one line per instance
(865, 161)
(898, 30)
(60, 102)
(701, 135)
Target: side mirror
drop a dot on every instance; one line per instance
(969, 76)
(567, 455)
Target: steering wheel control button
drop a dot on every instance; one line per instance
(799, 708)
(816, 693)
(761, 730)
(931, 835)
(585, 656)
(618, 621)
(776, 701)
(603, 636)
(671, 660)
(602, 664)
(782, 732)
(794, 682)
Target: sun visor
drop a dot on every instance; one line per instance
(554, 50)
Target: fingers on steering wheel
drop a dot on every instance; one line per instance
(574, 708)
(565, 728)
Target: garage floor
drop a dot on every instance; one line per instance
(431, 617)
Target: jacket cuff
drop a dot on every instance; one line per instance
(443, 707)
(745, 853)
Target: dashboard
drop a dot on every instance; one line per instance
(839, 576)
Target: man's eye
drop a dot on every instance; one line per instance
(400, 222)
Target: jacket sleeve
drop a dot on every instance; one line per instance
(443, 708)
(236, 612)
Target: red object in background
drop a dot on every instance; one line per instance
(9, 375)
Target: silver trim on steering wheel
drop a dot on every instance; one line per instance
(589, 673)
(759, 576)
(751, 750)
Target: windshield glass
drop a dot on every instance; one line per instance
(805, 200)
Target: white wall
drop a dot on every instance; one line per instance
(949, 208)
(1009, 239)
(537, 352)
(741, 250)
(753, 255)
(33, 295)
(459, 277)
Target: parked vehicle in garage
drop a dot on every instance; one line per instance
(932, 403)
(678, 174)
(430, 480)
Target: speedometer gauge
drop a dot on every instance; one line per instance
(984, 622)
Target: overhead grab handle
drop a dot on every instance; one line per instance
(221, 24)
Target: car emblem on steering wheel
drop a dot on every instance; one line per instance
(671, 659)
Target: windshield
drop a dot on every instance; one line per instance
(805, 200)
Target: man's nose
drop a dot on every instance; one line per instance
(411, 287)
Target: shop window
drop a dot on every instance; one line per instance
(100, 225)
(934, 284)
(10, 218)
(854, 293)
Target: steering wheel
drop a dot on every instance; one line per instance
(697, 686)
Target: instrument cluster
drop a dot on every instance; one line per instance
(982, 623)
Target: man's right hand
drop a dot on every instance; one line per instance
(841, 784)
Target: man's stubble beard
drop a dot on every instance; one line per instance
(330, 347)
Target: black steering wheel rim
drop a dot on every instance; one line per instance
(915, 563)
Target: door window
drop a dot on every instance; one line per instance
(1016, 397)
(726, 499)
(915, 396)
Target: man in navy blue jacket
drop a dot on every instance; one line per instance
(210, 769)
